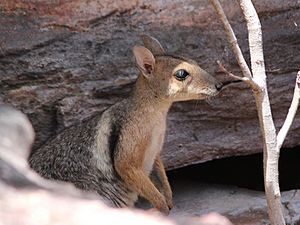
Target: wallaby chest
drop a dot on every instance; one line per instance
(154, 146)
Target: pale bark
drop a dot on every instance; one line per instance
(258, 84)
(291, 114)
(224, 70)
(270, 147)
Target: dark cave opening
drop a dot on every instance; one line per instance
(243, 171)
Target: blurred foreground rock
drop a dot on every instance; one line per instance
(62, 61)
(27, 199)
(40, 207)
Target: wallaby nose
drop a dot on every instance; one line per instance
(219, 86)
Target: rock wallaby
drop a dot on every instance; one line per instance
(117, 153)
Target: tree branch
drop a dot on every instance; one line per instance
(270, 147)
(291, 114)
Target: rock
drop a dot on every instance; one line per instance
(16, 138)
(16, 134)
(62, 61)
(241, 206)
(43, 207)
(38, 201)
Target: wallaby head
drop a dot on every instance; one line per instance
(173, 78)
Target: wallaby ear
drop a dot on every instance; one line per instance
(153, 45)
(144, 59)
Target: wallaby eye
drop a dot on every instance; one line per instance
(181, 74)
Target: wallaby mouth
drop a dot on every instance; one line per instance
(219, 86)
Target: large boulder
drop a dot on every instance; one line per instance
(62, 61)
(27, 198)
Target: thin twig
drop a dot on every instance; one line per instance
(234, 46)
(291, 114)
(224, 70)
(244, 79)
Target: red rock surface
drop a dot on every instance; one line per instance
(62, 61)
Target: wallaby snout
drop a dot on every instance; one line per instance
(201, 85)
(216, 85)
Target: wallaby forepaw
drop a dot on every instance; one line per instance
(169, 200)
(165, 210)
(170, 204)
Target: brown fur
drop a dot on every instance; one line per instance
(117, 153)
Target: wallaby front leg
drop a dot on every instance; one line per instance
(160, 179)
(137, 180)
